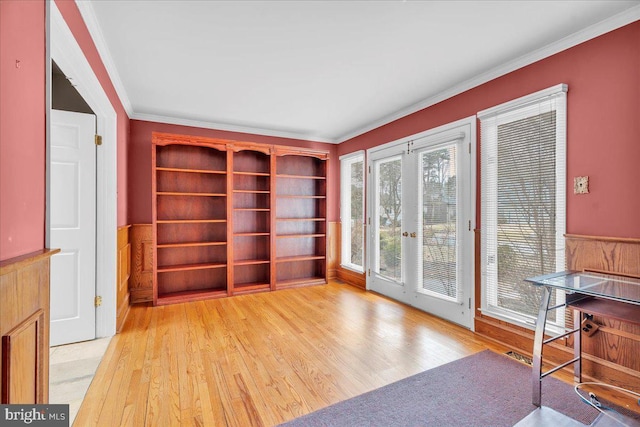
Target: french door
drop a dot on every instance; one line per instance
(420, 242)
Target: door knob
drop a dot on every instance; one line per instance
(413, 234)
(405, 234)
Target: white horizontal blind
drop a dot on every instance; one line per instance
(439, 218)
(523, 202)
(352, 210)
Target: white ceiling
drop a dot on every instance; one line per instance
(323, 70)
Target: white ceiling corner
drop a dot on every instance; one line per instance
(323, 71)
(90, 20)
(619, 20)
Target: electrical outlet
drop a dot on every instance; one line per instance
(581, 185)
(589, 327)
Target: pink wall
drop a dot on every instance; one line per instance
(603, 125)
(140, 163)
(74, 20)
(22, 127)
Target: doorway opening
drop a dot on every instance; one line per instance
(63, 48)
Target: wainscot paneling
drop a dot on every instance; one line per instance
(24, 327)
(124, 273)
(141, 280)
(615, 341)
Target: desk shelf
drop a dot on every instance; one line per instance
(625, 312)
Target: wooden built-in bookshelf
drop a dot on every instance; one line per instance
(301, 224)
(232, 217)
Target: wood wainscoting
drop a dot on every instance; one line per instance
(141, 281)
(613, 351)
(24, 327)
(124, 272)
(611, 354)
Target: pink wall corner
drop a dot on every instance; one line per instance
(140, 162)
(22, 127)
(603, 126)
(73, 18)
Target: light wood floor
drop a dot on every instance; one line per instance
(263, 359)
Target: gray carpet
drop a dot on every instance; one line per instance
(485, 389)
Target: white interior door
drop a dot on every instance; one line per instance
(72, 226)
(420, 236)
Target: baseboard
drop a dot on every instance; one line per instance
(352, 278)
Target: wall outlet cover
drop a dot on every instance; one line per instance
(581, 185)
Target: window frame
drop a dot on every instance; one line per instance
(346, 161)
(553, 98)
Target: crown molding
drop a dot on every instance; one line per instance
(91, 21)
(627, 17)
(602, 27)
(231, 128)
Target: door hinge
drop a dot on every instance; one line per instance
(469, 225)
(98, 139)
(469, 303)
(369, 168)
(369, 272)
(469, 148)
(97, 301)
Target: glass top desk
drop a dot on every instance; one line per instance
(607, 295)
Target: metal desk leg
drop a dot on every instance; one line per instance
(577, 346)
(536, 381)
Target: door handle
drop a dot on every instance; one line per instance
(405, 234)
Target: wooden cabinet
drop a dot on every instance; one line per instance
(232, 217)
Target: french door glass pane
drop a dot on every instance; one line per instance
(439, 215)
(389, 208)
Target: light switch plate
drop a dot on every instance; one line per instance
(581, 185)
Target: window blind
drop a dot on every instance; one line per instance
(523, 202)
(439, 211)
(352, 210)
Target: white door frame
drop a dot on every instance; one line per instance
(64, 49)
(471, 124)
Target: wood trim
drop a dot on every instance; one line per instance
(124, 273)
(141, 280)
(352, 278)
(23, 261)
(333, 249)
(601, 238)
(24, 296)
(161, 138)
(35, 321)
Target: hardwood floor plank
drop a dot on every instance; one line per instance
(262, 359)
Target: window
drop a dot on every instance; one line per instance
(523, 203)
(352, 210)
